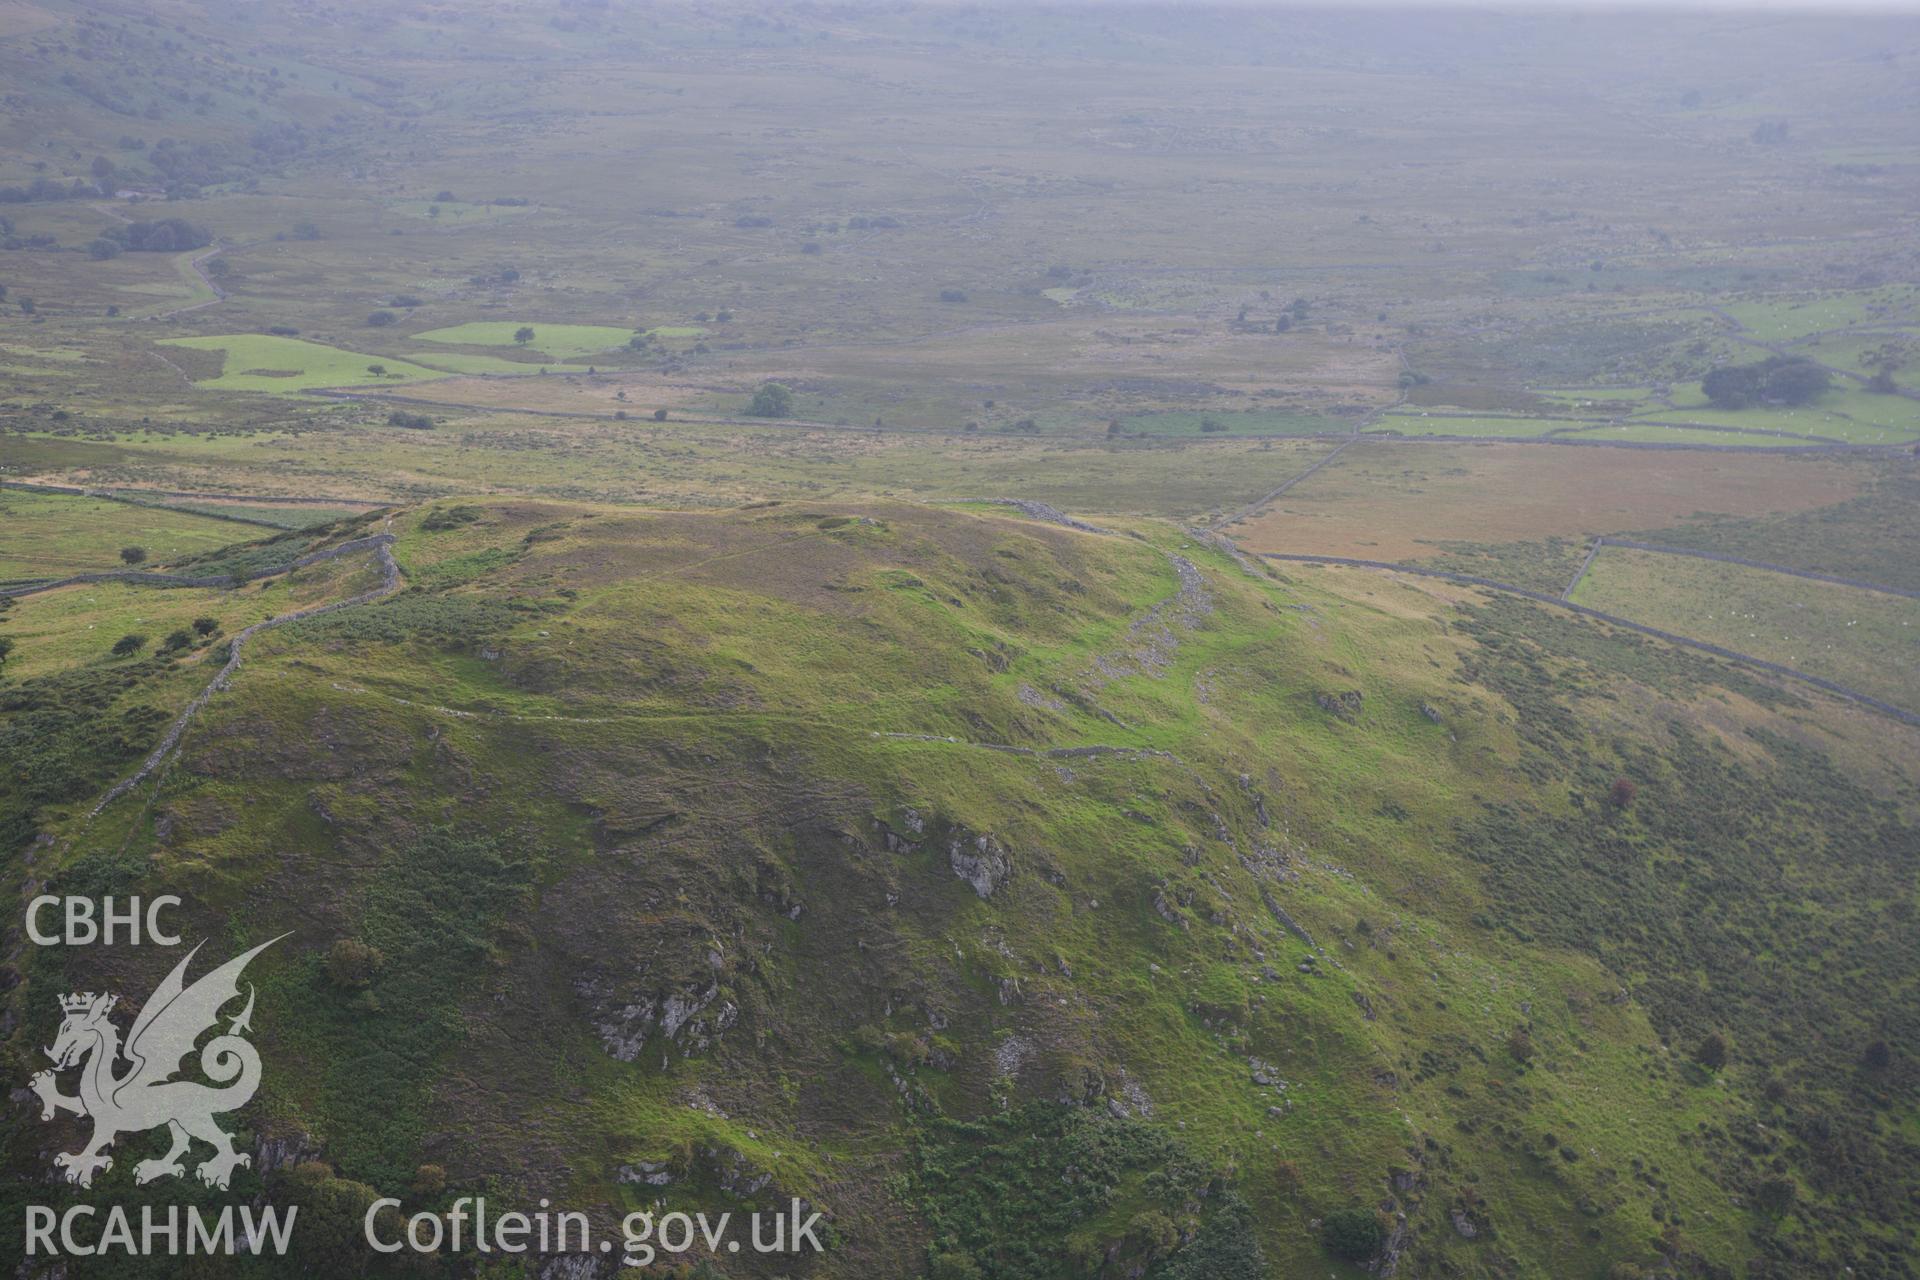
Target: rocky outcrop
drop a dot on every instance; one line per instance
(645, 1173)
(982, 861)
(1154, 637)
(691, 1019)
(1345, 705)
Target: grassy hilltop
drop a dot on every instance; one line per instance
(909, 859)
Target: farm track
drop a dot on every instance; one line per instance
(1470, 580)
(381, 545)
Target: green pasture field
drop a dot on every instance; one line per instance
(288, 366)
(1447, 424)
(1789, 319)
(466, 362)
(1670, 433)
(1848, 413)
(76, 626)
(1862, 350)
(1251, 422)
(45, 535)
(1864, 639)
(1596, 400)
(300, 516)
(558, 341)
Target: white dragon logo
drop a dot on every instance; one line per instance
(145, 1096)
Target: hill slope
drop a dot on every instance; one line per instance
(1035, 901)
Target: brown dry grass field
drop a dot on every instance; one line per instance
(1392, 501)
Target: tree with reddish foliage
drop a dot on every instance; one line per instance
(1621, 794)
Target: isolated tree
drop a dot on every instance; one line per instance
(133, 555)
(1622, 792)
(1878, 1056)
(659, 415)
(380, 319)
(164, 235)
(206, 626)
(6, 649)
(132, 642)
(1520, 1045)
(1712, 1051)
(772, 400)
(523, 335)
(377, 370)
(178, 638)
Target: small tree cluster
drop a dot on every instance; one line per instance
(167, 235)
(1788, 380)
(772, 400)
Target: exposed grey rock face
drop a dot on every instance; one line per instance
(981, 861)
(283, 1153)
(689, 1018)
(735, 1174)
(645, 1173)
(623, 1032)
(1388, 1261)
